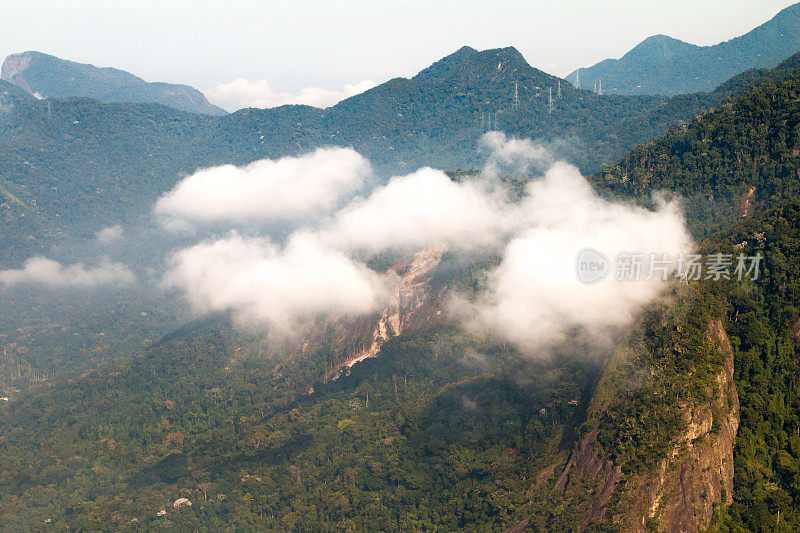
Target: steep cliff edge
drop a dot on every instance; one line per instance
(411, 304)
(335, 345)
(679, 491)
(696, 477)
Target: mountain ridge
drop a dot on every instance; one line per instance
(131, 153)
(47, 76)
(667, 66)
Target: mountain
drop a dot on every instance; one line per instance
(732, 162)
(7, 88)
(437, 117)
(738, 170)
(89, 164)
(48, 76)
(667, 66)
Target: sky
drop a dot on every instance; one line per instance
(309, 51)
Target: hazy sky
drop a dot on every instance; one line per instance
(327, 44)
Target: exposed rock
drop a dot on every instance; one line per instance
(520, 527)
(180, 502)
(586, 465)
(697, 476)
(409, 304)
(541, 478)
(13, 65)
(747, 201)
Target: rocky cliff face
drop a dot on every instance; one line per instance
(585, 464)
(411, 304)
(13, 65)
(415, 301)
(697, 476)
(687, 485)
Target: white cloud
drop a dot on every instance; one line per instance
(109, 234)
(514, 156)
(535, 296)
(281, 189)
(264, 283)
(418, 210)
(42, 271)
(241, 93)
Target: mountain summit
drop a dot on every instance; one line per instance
(468, 67)
(48, 76)
(667, 66)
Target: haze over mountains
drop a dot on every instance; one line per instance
(48, 76)
(452, 430)
(81, 159)
(666, 66)
(659, 65)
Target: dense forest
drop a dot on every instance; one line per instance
(51, 77)
(732, 162)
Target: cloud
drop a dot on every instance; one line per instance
(286, 188)
(6, 104)
(241, 93)
(535, 297)
(421, 209)
(261, 282)
(109, 234)
(42, 271)
(514, 156)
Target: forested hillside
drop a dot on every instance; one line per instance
(738, 168)
(728, 164)
(109, 162)
(440, 430)
(112, 417)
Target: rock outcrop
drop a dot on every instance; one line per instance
(687, 485)
(697, 475)
(410, 304)
(586, 464)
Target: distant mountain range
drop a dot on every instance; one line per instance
(666, 66)
(47, 76)
(71, 166)
(84, 164)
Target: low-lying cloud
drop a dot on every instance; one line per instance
(43, 271)
(424, 208)
(281, 189)
(515, 156)
(262, 282)
(242, 93)
(533, 298)
(109, 234)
